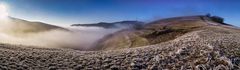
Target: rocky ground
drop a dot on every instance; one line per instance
(214, 47)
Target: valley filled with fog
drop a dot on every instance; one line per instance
(36, 34)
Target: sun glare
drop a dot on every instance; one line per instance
(3, 11)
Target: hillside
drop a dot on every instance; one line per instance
(158, 31)
(18, 26)
(16, 31)
(181, 43)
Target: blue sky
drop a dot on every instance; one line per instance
(67, 12)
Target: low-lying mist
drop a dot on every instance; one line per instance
(76, 38)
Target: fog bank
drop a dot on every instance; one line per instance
(76, 37)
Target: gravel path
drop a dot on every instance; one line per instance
(211, 48)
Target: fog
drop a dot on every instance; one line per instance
(77, 37)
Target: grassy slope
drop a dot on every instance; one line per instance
(212, 47)
(207, 48)
(153, 33)
(19, 26)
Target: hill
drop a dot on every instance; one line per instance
(19, 26)
(159, 31)
(127, 24)
(192, 42)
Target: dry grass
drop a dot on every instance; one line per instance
(208, 48)
(153, 33)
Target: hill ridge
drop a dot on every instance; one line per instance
(159, 31)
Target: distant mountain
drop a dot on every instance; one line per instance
(15, 25)
(134, 24)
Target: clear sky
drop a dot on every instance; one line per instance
(69, 12)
